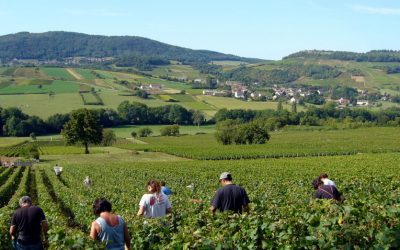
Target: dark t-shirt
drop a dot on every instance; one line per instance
(27, 221)
(230, 197)
(327, 192)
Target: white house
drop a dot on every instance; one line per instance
(155, 86)
(239, 94)
(363, 103)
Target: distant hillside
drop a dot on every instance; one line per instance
(59, 45)
(371, 56)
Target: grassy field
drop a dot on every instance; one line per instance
(125, 131)
(231, 103)
(11, 141)
(57, 86)
(32, 104)
(58, 73)
(290, 142)
(178, 71)
(85, 73)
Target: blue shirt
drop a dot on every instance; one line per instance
(166, 190)
(113, 236)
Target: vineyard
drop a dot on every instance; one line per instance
(364, 163)
(282, 144)
(283, 213)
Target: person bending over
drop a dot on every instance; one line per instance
(109, 228)
(230, 196)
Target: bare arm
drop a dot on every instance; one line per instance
(141, 211)
(169, 210)
(127, 238)
(45, 227)
(94, 230)
(213, 209)
(13, 231)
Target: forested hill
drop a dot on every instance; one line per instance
(371, 56)
(59, 45)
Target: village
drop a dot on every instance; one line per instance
(292, 94)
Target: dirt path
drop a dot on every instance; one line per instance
(74, 74)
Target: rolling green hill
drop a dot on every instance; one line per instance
(59, 45)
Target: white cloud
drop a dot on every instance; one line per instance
(376, 10)
(94, 12)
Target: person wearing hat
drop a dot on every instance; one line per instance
(230, 196)
(27, 224)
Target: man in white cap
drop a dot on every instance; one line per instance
(230, 196)
(27, 225)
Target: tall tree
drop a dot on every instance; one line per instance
(198, 117)
(83, 127)
(280, 106)
(294, 107)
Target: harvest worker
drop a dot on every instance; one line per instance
(324, 178)
(87, 182)
(27, 224)
(325, 191)
(109, 228)
(164, 189)
(155, 203)
(230, 196)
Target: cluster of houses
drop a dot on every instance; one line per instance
(346, 102)
(151, 86)
(290, 93)
(237, 90)
(65, 61)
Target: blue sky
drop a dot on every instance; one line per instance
(268, 29)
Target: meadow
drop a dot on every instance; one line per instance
(125, 131)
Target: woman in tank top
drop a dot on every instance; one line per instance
(109, 228)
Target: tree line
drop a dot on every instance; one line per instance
(314, 116)
(13, 122)
(371, 56)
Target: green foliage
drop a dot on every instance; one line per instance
(198, 117)
(141, 93)
(83, 127)
(344, 92)
(233, 131)
(283, 212)
(371, 56)
(144, 132)
(109, 138)
(141, 63)
(315, 98)
(172, 130)
(59, 45)
(291, 142)
(31, 150)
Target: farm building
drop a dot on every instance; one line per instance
(155, 86)
(343, 101)
(363, 103)
(239, 94)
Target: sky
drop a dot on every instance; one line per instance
(267, 29)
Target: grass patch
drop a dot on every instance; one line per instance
(58, 73)
(125, 131)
